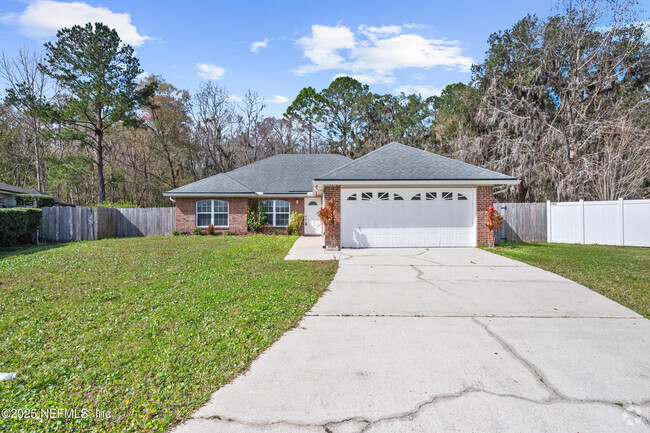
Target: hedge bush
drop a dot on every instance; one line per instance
(27, 200)
(18, 225)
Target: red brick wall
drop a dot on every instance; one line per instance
(333, 239)
(186, 215)
(484, 199)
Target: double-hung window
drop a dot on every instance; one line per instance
(277, 212)
(213, 212)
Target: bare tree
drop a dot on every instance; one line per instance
(25, 78)
(249, 118)
(215, 122)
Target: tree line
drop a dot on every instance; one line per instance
(561, 103)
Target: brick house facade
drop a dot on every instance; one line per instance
(484, 199)
(333, 236)
(237, 209)
(373, 217)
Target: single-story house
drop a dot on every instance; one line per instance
(395, 196)
(8, 194)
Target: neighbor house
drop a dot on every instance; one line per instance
(395, 196)
(8, 194)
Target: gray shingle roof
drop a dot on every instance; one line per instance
(16, 189)
(217, 183)
(398, 162)
(279, 174)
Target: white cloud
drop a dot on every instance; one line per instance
(258, 45)
(210, 72)
(234, 98)
(43, 18)
(418, 77)
(323, 47)
(369, 78)
(425, 91)
(376, 32)
(277, 99)
(375, 53)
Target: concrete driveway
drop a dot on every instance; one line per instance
(450, 340)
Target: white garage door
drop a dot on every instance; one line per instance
(408, 218)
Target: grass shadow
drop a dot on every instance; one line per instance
(7, 252)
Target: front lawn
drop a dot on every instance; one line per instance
(146, 328)
(620, 273)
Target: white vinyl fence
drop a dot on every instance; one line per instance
(619, 222)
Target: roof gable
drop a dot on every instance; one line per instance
(397, 162)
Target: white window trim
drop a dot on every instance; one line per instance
(272, 215)
(211, 213)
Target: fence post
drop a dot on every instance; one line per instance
(582, 221)
(549, 239)
(621, 222)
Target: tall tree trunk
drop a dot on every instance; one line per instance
(100, 165)
(39, 174)
(311, 127)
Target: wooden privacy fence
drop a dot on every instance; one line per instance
(65, 224)
(522, 222)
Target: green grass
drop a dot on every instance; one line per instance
(146, 328)
(620, 273)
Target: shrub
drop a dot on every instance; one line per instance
(295, 222)
(330, 218)
(196, 232)
(228, 233)
(275, 232)
(27, 200)
(255, 216)
(175, 233)
(210, 230)
(18, 225)
(494, 220)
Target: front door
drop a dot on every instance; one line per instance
(313, 225)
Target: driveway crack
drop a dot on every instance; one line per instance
(555, 394)
(419, 277)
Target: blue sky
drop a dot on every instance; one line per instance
(412, 46)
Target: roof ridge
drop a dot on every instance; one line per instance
(362, 157)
